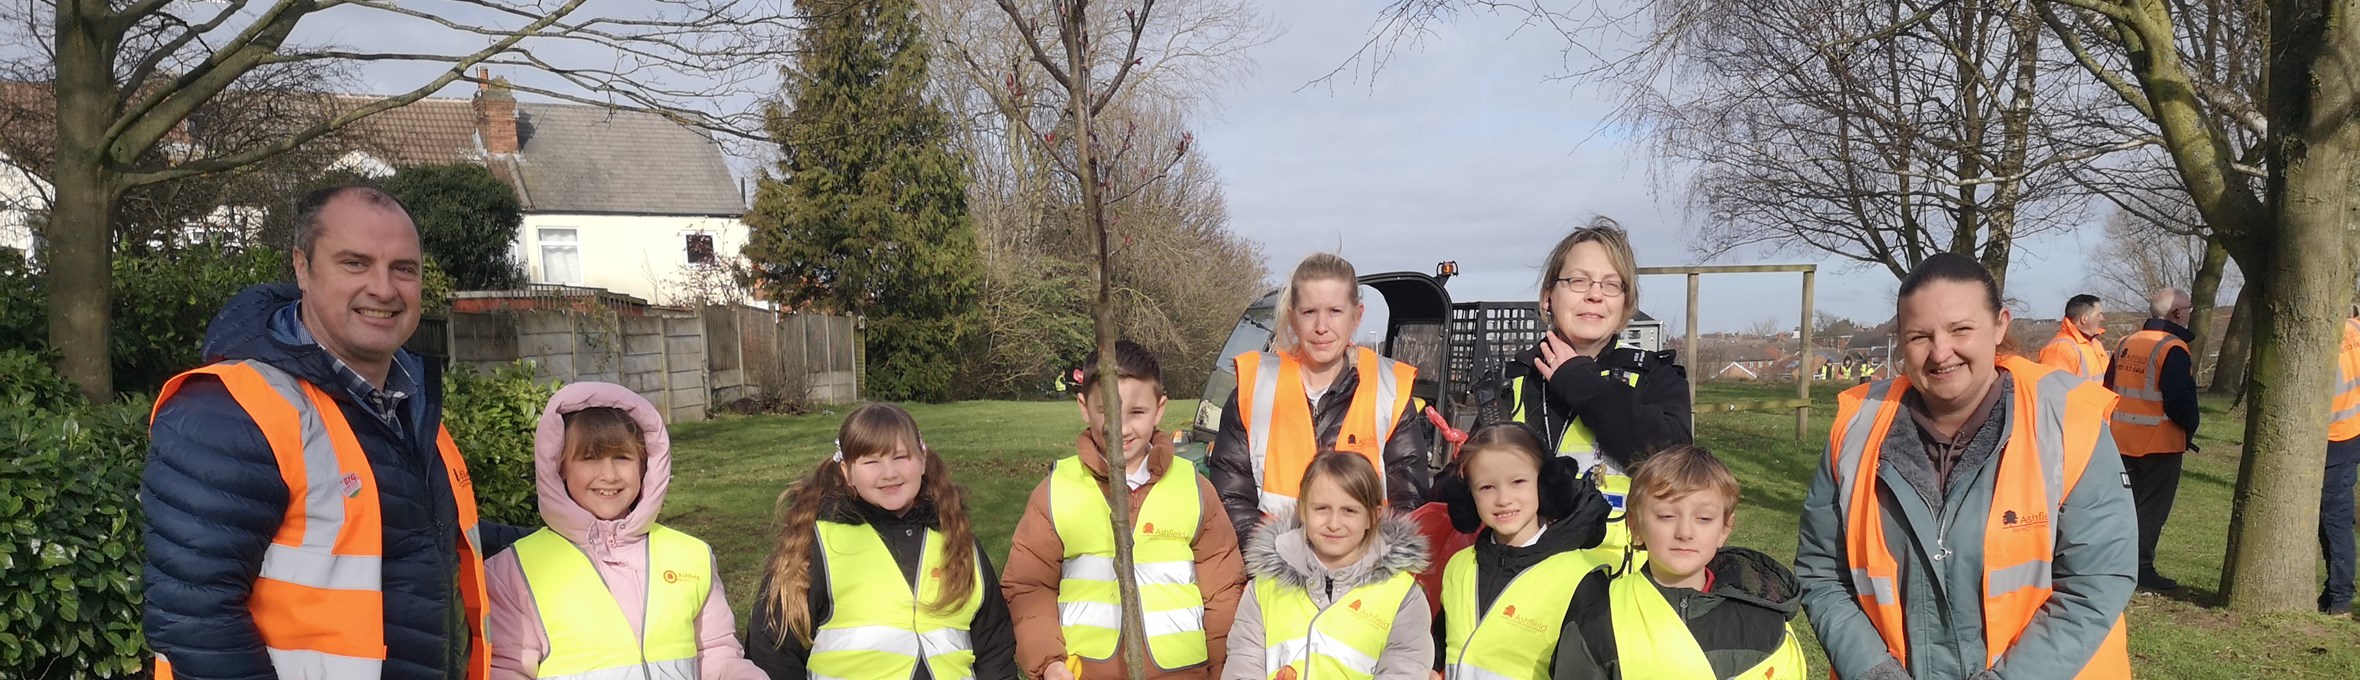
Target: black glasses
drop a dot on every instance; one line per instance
(1583, 284)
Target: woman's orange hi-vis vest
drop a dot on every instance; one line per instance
(2140, 426)
(1277, 416)
(319, 603)
(2053, 428)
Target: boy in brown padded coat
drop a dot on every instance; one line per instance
(1065, 521)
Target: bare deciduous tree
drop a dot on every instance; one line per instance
(1035, 239)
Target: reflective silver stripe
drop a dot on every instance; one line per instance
(1856, 444)
(1159, 624)
(1090, 614)
(299, 664)
(2136, 419)
(2048, 431)
(2030, 574)
(886, 639)
(1388, 389)
(1881, 588)
(475, 541)
(1320, 643)
(315, 564)
(1101, 568)
(1467, 671)
(1285, 653)
(2081, 359)
(323, 500)
(2153, 389)
(892, 640)
(1110, 617)
(2352, 412)
(321, 570)
(679, 669)
(1265, 400)
(945, 641)
(1164, 573)
(1088, 568)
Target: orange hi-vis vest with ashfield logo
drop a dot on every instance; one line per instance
(319, 602)
(2140, 426)
(2054, 425)
(2346, 422)
(1276, 411)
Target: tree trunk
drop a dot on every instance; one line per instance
(2206, 291)
(2015, 142)
(2237, 343)
(2314, 148)
(81, 222)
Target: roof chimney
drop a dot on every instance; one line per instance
(495, 114)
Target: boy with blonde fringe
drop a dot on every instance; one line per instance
(1690, 608)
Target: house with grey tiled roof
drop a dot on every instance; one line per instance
(627, 201)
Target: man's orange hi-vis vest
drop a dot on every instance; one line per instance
(2345, 424)
(2076, 353)
(1277, 415)
(319, 603)
(2053, 428)
(2140, 426)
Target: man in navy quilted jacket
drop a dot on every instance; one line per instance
(309, 430)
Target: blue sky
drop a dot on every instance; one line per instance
(1464, 149)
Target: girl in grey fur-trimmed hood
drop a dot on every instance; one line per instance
(1327, 558)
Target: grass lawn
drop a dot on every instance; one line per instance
(728, 474)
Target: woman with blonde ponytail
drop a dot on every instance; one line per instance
(878, 573)
(1313, 390)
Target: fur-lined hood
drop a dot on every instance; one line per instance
(1281, 551)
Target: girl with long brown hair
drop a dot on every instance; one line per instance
(877, 572)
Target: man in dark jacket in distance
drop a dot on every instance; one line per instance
(215, 493)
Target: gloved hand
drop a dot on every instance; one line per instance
(1573, 501)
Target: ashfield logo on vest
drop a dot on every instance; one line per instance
(1148, 529)
(1366, 617)
(2017, 522)
(671, 576)
(1526, 623)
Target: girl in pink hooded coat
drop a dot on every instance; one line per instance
(602, 461)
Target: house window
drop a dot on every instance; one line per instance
(700, 248)
(561, 256)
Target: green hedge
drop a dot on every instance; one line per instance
(492, 416)
(70, 521)
(69, 528)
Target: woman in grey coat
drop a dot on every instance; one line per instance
(1334, 593)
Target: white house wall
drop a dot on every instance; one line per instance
(21, 195)
(639, 255)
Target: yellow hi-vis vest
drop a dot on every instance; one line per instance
(1517, 638)
(1342, 642)
(1163, 556)
(876, 627)
(1580, 444)
(589, 638)
(1652, 641)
